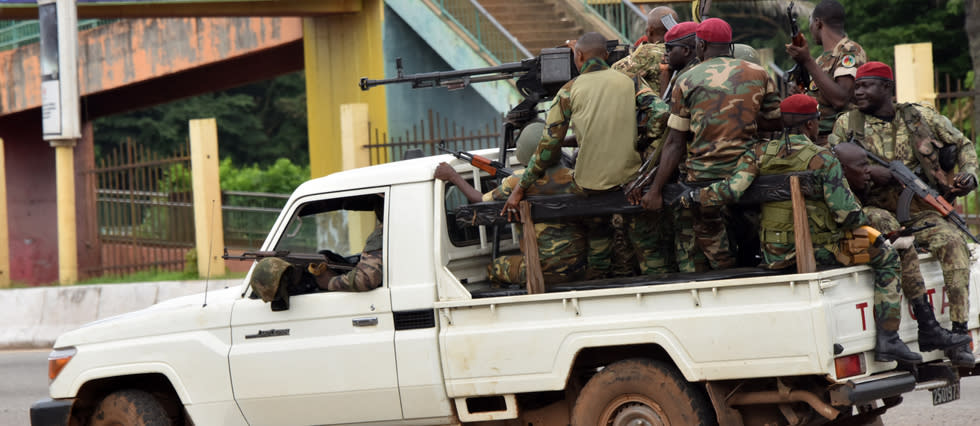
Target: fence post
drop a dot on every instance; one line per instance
(4, 240)
(354, 134)
(914, 75)
(209, 237)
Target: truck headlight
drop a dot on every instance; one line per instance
(57, 360)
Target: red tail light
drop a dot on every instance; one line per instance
(849, 365)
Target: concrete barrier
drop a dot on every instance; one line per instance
(35, 317)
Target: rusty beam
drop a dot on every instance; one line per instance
(196, 9)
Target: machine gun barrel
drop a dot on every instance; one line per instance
(453, 79)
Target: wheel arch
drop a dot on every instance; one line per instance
(596, 351)
(94, 390)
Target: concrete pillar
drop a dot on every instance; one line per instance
(339, 49)
(914, 73)
(4, 239)
(64, 155)
(209, 234)
(354, 134)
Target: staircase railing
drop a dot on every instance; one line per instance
(627, 19)
(493, 39)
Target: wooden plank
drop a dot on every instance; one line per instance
(805, 261)
(535, 278)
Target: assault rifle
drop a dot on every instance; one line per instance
(798, 74)
(297, 258)
(914, 186)
(493, 167)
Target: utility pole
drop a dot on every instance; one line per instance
(60, 119)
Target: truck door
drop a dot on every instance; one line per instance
(329, 357)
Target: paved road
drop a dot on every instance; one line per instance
(25, 380)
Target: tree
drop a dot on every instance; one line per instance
(973, 34)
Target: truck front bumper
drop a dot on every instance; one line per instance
(51, 412)
(867, 389)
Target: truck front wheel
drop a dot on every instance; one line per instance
(641, 391)
(131, 407)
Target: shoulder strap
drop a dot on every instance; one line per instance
(855, 124)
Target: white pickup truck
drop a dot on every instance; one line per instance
(436, 344)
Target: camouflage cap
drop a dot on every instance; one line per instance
(267, 278)
(528, 140)
(746, 53)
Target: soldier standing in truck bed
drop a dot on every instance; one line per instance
(647, 60)
(923, 139)
(716, 108)
(601, 105)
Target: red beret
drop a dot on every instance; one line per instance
(681, 30)
(875, 70)
(715, 30)
(799, 104)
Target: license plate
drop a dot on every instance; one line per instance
(948, 393)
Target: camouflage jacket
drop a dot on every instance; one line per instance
(897, 140)
(843, 60)
(719, 100)
(368, 273)
(558, 241)
(605, 127)
(644, 62)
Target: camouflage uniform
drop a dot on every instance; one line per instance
(718, 100)
(562, 245)
(843, 60)
(913, 286)
(840, 209)
(604, 121)
(367, 274)
(921, 128)
(644, 62)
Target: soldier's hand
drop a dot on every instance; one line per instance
(652, 200)
(963, 183)
(445, 172)
(635, 195)
(800, 54)
(510, 207)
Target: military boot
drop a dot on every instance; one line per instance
(932, 336)
(961, 356)
(890, 347)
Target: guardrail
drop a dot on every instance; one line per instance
(14, 34)
(492, 38)
(624, 17)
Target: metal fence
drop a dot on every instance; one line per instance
(479, 25)
(14, 34)
(957, 104)
(622, 15)
(248, 216)
(428, 135)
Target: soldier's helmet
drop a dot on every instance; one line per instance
(527, 141)
(267, 279)
(746, 53)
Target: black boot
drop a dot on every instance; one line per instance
(961, 356)
(890, 347)
(932, 336)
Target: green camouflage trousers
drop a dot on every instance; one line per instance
(702, 231)
(562, 251)
(624, 260)
(887, 296)
(366, 275)
(600, 234)
(913, 286)
(688, 257)
(947, 243)
(652, 235)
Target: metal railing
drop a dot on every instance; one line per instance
(491, 37)
(622, 15)
(248, 217)
(14, 34)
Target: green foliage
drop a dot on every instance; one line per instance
(282, 177)
(257, 123)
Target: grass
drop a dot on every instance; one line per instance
(138, 277)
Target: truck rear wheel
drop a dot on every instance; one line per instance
(131, 407)
(641, 391)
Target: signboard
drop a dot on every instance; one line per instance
(59, 69)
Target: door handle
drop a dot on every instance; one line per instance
(364, 322)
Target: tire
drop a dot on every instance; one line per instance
(644, 390)
(129, 407)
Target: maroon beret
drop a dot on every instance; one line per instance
(715, 30)
(681, 30)
(876, 70)
(799, 104)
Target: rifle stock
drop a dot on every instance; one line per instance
(493, 167)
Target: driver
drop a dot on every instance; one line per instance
(366, 275)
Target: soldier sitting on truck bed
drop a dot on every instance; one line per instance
(837, 224)
(562, 245)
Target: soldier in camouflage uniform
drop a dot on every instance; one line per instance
(838, 212)
(647, 60)
(932, 336)
(562, 246)
(916, 135)
(832, 73)
(605, 104)
(716, 108)
(367, 273)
